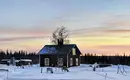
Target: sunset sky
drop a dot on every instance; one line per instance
(96, 26)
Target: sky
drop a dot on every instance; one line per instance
(96, 26)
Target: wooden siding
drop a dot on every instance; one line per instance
(54, 58)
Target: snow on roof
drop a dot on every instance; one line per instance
(49, 50)
(54, 49)
(27, 60)
(5, 59)
(17, 60)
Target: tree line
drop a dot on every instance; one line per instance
(20, 55)
(86, 59)
(116, 59)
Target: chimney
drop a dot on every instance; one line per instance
(60, 42)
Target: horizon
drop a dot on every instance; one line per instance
(99, 27)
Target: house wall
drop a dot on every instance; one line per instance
(53, 59)
(74, 57)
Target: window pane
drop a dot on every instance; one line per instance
(46, 61)
(73, 51)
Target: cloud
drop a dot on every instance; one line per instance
(118, 31)
(117, 47)
(79, 24)
(109, 27)
(115, 26)
(22, 38)
(108, 49)
(21, 30)
(112, 26)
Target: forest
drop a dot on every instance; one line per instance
(19, 55)
(116, 59)
(86, 59)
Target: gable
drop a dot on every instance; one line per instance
(75, 50)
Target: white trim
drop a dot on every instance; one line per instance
(26, 60)
(71, 61)
(46, 61)
(39, 59)
(77, 61)
(67, 60)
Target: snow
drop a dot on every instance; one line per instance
(77, 73)
(26, 60)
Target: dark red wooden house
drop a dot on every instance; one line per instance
(60, 55)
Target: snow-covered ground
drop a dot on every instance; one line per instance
(83, 72)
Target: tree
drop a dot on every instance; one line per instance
(60, 34)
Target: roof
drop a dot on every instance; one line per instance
(54, 49)
(26, 60)
(5, 59)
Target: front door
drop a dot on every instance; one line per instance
(60, 62)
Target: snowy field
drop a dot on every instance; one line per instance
(83, 72)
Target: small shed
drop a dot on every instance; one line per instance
(64, 55)
(5, 61)
(25, 61)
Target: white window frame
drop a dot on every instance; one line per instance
(73, 51)
(77, 61)
(60, 61)
(71, 61)
(46, 61)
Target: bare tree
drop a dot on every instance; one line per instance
(60, 34)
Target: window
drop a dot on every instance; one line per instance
(77, 61)
(60, 61)
(73, 51)
(71, 61)
(46, 61)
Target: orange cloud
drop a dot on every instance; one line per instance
(124, 47)
(22, 38)
(118, 31)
